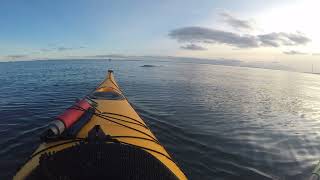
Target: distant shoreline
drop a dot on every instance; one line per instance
(221, 62)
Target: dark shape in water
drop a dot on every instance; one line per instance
(148, 65)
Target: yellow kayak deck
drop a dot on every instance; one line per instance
(117, 119)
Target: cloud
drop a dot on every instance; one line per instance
(287, 39)
(315, 54)
(293, 52)
(193, 47)
(16, 56)
(236, 23)
(61, 48)
(196, 34)
(205, 35)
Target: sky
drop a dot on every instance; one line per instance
(285, 31)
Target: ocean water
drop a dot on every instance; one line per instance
(218, 122)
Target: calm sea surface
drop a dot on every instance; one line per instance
(218, 122)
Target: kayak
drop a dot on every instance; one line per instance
(100, 137)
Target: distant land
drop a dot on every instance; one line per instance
(274, 65)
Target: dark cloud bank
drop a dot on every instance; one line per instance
(195, 34)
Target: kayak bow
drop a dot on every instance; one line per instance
(101, 136)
